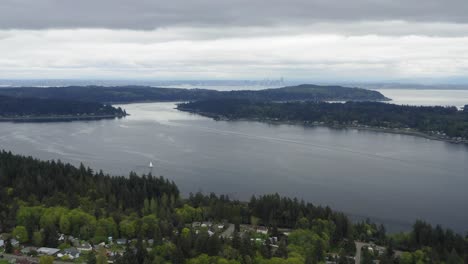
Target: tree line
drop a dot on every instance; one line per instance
(38, 107)
(428, 119)
(129, 94)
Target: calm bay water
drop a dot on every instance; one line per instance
(457, 98)
(393, 177)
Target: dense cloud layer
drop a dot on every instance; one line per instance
(150, 14)
(166, 54)
(324, 40)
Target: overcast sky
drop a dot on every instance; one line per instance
(326, 40)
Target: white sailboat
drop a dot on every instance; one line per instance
(151, 164)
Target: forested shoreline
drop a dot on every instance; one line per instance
(44, 200)
(132, 94)
(436, 121)
(37, 109)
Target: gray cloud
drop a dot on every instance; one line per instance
(174, 39)
(165, 54)
(150, 14)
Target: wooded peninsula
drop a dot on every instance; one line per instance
(448, 123)
(38, 109)
(132, 94)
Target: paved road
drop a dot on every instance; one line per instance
(228, 232)
(359, 246)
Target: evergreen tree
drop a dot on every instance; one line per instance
(8, 246)
(214, 245)
(342, 258)
(141, 253)
(454, 258)
(102, 256)
(310, 259)
(178, 256)
(236, 240)
(389, 251)
(265, 249)
(50, 236)
(91, 258)
(282, 251)
(366, 257)
(129, 256)
(247, 249)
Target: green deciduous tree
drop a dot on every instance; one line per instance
(21, 234)
(46, 260)
(127, 228)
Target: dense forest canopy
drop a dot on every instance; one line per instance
(36, 107)
(128, 94)
(42, 199)
(429, 119)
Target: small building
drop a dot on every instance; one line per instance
(71, 253)
(48, 251)
(206, 224)
(2, 243)
(29, 250)
(121, 241)
(262, 230)
(85, 246)
(273, 240)
(14, 242)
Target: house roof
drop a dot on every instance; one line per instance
(48, 251)
(28, 249)
(121, 241)
(71, 251)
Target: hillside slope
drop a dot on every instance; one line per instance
(130, 94)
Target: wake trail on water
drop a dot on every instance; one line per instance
(304, 144)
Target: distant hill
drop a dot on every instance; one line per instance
(18, 108)
(131, 94)
(312, 92)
